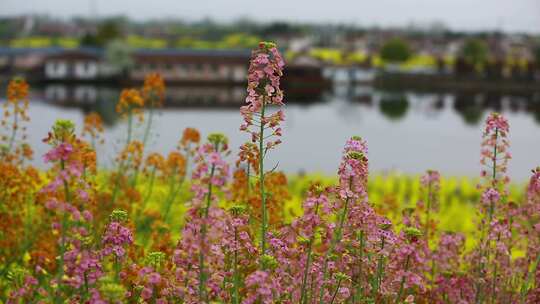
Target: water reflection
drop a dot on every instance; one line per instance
(393, 105)
(407, 131)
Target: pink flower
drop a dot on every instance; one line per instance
(154, 278)
(496, 121)
(265, 71)
(115, 239)
(494, 151)
(146, 293)
(490, 196)
(60, 152)
(533, 189)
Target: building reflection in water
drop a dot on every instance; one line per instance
(393, 105)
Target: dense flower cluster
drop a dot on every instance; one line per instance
(93, 127)
(116, 236)
(130, 100)
(13, 147)
(495, 154)
(176, 228)
(153, 90)
(265, 71)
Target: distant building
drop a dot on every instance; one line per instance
(90, 65)
(77, 64)
(23, 61)
(183, 65)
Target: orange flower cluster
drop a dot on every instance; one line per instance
(14, 113)
(249, 153)
(276, 186)
(155, 160)
(17, 90)
(18, 185)
(130, 101)
(93, 127)
(242, 192)
(153, 90)
(240, 186)
(133, 153)
(176, 164)
(86, 155)
(190, 136)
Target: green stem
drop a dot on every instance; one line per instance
(148, 193)
(380, 268)
(170, 197)
(531, 271)
(174, 190)
(85, 294)
(333, 243)
(236, 298)
(63, 236)
(202, 275)
(428, 213)
(261, 182)
(303, 297)
(402, 283)
(145, 138)
(358, 293)
(494, 166)
(121, 165)
(494, 279)
(485, 235)
(148, 126)
(130, 126)
(248, 179)
(14, 128)
(336, 291)
(117, 267)
(93, 142)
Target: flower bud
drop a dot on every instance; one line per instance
(111, 291)
(269, 262)
(155, 259)
(119, 216)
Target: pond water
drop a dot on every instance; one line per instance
(406, 131)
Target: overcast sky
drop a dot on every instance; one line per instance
(508, 15)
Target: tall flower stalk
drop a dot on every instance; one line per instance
(431, 183)
(93, 127)
(495, 157)
(265, 70)
(67, 192)
(352, 173)
(130, 103)
(211, 171)
(17, 96)
(15, 112)
(532, 206)
(153, 93)
(308, 225)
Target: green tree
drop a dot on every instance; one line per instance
(107, 31)
(537, 53)
(475, 52)
(396, 50)
(118, 56)
(89, 40)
